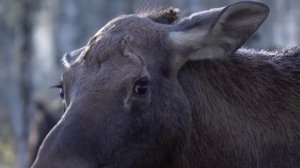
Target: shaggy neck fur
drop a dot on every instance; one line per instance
(244, 109)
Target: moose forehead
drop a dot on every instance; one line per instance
(145, 28)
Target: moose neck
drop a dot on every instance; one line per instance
(235, 109)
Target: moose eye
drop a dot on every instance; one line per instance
(61, 93)
(141, 86)
(61, 90)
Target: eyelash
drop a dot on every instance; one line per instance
(61, 92)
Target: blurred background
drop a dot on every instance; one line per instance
(34, 35)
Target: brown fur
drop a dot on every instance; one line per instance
(208, 103)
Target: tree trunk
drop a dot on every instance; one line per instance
(22, 78)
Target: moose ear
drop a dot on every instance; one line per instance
(70, 57)
(217, 32)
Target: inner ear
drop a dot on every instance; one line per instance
(237, 23)
(216, 33)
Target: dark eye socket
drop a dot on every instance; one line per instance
(61, 90)
(141, 86)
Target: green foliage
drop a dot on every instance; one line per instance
(7, 143)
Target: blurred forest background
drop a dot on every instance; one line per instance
(34, 35)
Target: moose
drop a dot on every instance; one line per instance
(45, 118)
(157, 90)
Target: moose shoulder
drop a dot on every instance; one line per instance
(156, 90)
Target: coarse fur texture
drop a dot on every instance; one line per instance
(165, 16)
(158, 91)
(249, 109)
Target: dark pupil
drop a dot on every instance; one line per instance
(61, 93)
(141, 87)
